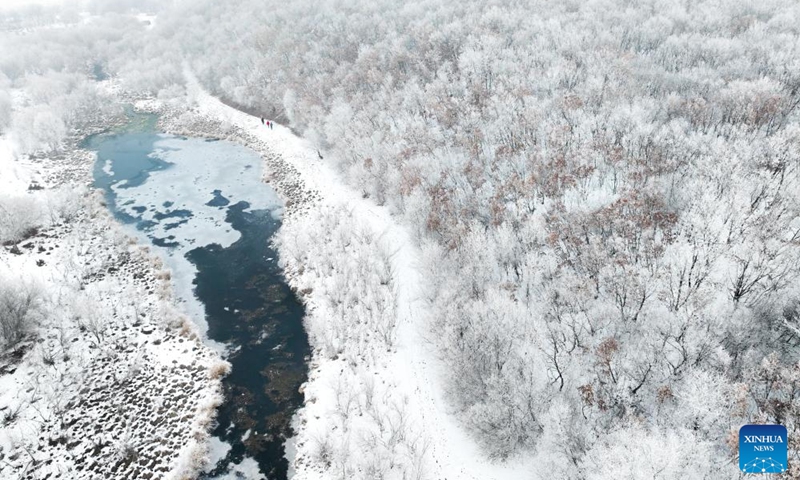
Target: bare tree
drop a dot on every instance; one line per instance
(20, 305)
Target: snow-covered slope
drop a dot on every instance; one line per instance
(408, 372)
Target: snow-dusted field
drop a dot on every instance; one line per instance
(374, 403)
(113, 382)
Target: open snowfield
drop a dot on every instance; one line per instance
(407, 421)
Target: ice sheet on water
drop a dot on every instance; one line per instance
(108, 168)
(198, 170)
(198, 173)
(217, 450)
(247, 469)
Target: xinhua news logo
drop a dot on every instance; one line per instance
(762, 449)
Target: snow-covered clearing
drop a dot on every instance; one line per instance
(374, 399)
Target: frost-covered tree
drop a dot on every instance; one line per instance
(608, 192)
(20, 307)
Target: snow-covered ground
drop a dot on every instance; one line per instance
(408, 428)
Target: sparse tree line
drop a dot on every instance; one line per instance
(25, 304)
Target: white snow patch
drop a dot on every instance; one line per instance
(247, 469)
(16, 4)
(14, 178)
(217, 450)
(107, 168)
(149, 19)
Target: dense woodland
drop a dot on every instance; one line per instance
(607, 194)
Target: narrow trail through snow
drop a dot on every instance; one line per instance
(418, 371)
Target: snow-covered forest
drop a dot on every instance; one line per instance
(606, 195)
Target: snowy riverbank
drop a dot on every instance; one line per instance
(112, 381)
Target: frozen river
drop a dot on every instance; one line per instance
(202, 205)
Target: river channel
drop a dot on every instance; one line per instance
(202, 206)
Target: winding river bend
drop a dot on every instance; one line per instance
(201, 204)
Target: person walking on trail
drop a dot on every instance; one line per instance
(262, 120)
(270, 124)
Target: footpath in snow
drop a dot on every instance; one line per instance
(443, 447)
